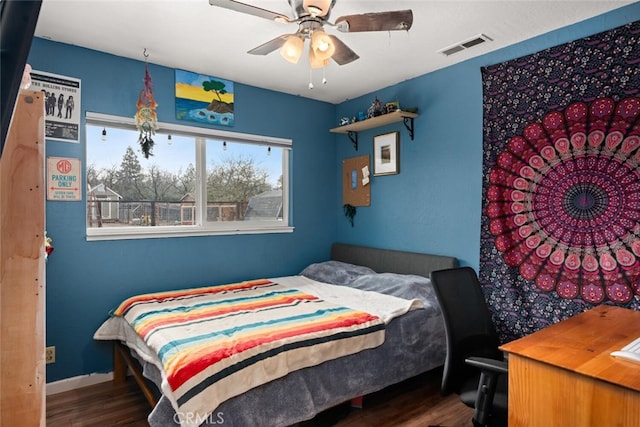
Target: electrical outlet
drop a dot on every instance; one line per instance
(50, 355)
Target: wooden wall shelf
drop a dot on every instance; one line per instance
(352, 129)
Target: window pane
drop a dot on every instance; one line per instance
(126, 189)
(193, 179)
(244, 182)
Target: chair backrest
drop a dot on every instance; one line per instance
(468, 325)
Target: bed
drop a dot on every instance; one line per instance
(413, 342)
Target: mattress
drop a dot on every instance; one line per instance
(414, 342)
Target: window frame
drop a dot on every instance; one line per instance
(201, 227)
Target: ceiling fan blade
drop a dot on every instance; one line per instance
(250, 10)
(377, 21)
(270, 46)
(343, 54)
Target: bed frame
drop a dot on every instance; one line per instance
(379, 260)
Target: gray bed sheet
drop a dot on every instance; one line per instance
(415, 343)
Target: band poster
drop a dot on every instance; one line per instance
(62, 105)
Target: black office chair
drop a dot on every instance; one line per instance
(474, 367)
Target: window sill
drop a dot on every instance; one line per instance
(128, 233)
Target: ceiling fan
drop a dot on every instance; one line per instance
(311, 17)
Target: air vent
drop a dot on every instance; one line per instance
(466, 44)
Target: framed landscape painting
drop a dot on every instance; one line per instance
(204, 99)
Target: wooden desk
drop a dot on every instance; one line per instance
(563, 375)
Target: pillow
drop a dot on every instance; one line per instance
(407, 286)
(335, 272)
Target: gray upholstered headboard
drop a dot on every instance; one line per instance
(390, 261)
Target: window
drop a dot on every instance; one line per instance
(196, 182)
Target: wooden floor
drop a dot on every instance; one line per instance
(416, 402)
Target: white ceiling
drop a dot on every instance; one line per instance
(194, 36)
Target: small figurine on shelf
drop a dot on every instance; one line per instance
(376, 109)
(392, 106)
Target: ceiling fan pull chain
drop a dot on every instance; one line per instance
(310, 78)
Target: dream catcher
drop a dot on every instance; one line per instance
(146, 118)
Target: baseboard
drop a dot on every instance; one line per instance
(77, 382)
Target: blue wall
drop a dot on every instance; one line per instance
(432, 205)
(87, 279)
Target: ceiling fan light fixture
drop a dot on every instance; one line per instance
(317, 7)
(291, 50)
(322, 45)
(311, 17)
(315, 61)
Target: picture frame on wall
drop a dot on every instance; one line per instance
(386, 154)
(204, 99)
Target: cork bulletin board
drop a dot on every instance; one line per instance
(356, 186)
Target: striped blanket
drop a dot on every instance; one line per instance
(217, 342)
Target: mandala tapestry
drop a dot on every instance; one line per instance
(561, 182)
